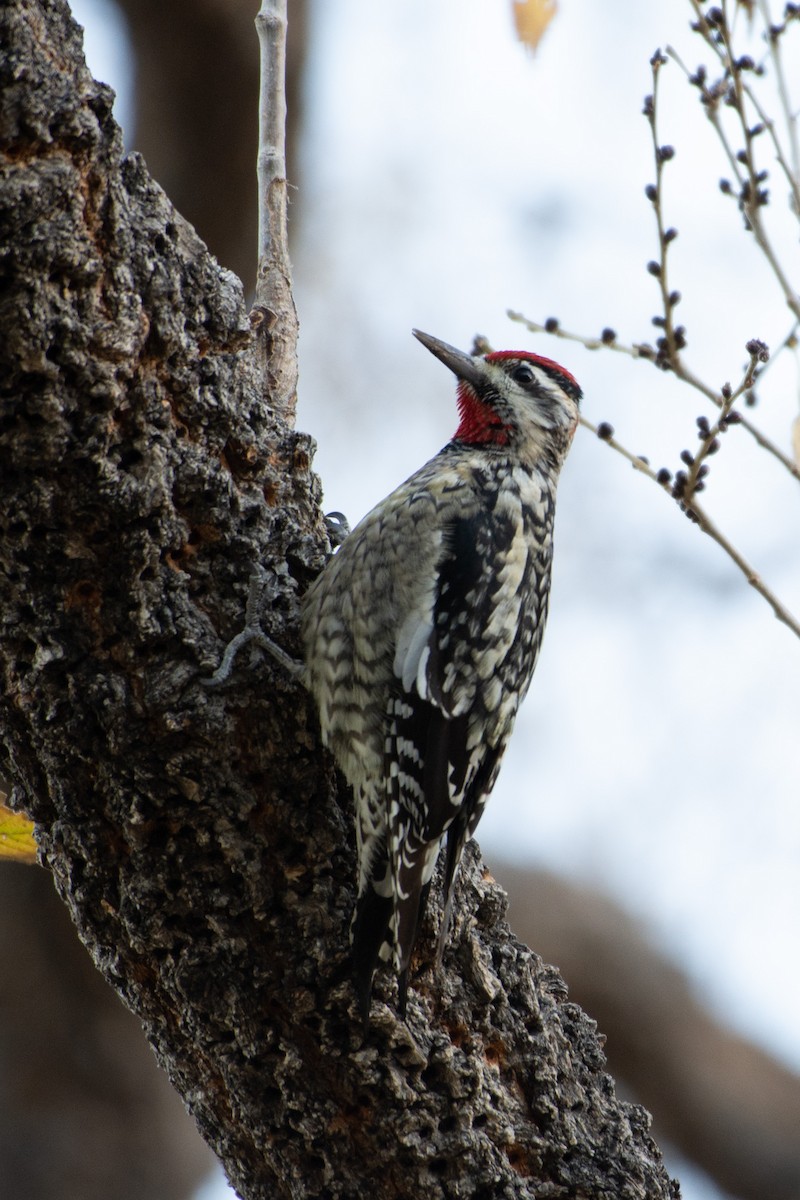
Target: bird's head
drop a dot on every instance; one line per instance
(512, 398)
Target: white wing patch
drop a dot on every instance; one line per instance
(411, 655)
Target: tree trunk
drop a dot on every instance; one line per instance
(200, 838)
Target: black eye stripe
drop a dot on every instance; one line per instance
(524, 374)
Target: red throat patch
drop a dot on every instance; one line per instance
(479, 425)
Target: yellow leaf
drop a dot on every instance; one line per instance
(16, 836)
(531, 18)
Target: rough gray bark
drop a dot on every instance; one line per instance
(199, 838)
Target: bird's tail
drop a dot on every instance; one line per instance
(371, 938)
(388, 915)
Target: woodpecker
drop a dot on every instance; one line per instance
(422, 632)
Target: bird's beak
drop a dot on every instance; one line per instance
(464, 366)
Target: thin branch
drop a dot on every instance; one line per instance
(710, 433)
(734, 91)
(674, 339)
(792, 179)
(752, 195)
(606, 341)
(643, 350)
(790, 117)
(275, 314)
(701, 518)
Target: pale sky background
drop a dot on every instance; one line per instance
(448, 175)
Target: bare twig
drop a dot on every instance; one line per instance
(769, 126)
(701, 518)
(732, 90)
(274, 309)
(608, 341)
(790, 117)
(673, 340)
(715, 31)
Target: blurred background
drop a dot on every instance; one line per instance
(646, 822)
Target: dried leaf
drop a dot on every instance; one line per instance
(531, 18)
(17, 842)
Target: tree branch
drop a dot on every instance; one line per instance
(274, 298)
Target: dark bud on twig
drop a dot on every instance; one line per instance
(551, 325)
(703, 426)
(659, 322)
(699, 77)
(648, 108)
(679, 486)
(687, 457)
(745, 63)
(654, 268)
(651, 191)
(732, 418)
(741, 156)
(670, 234)
(727, 391)
(608, 337)
(713, 446)
(758, 350)
(674, 298)
(642, 458)
(665, 153)
(725, 186)
(750, 399)
(663, 476)
(605, 431)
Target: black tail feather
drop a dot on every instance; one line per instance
(456, 839)
(422, 903)
(370, 931)
(371, 928)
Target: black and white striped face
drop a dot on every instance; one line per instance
(525, 387)
(512, 397)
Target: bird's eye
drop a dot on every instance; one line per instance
(522, 374)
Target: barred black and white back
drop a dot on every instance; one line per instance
(422, 633)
